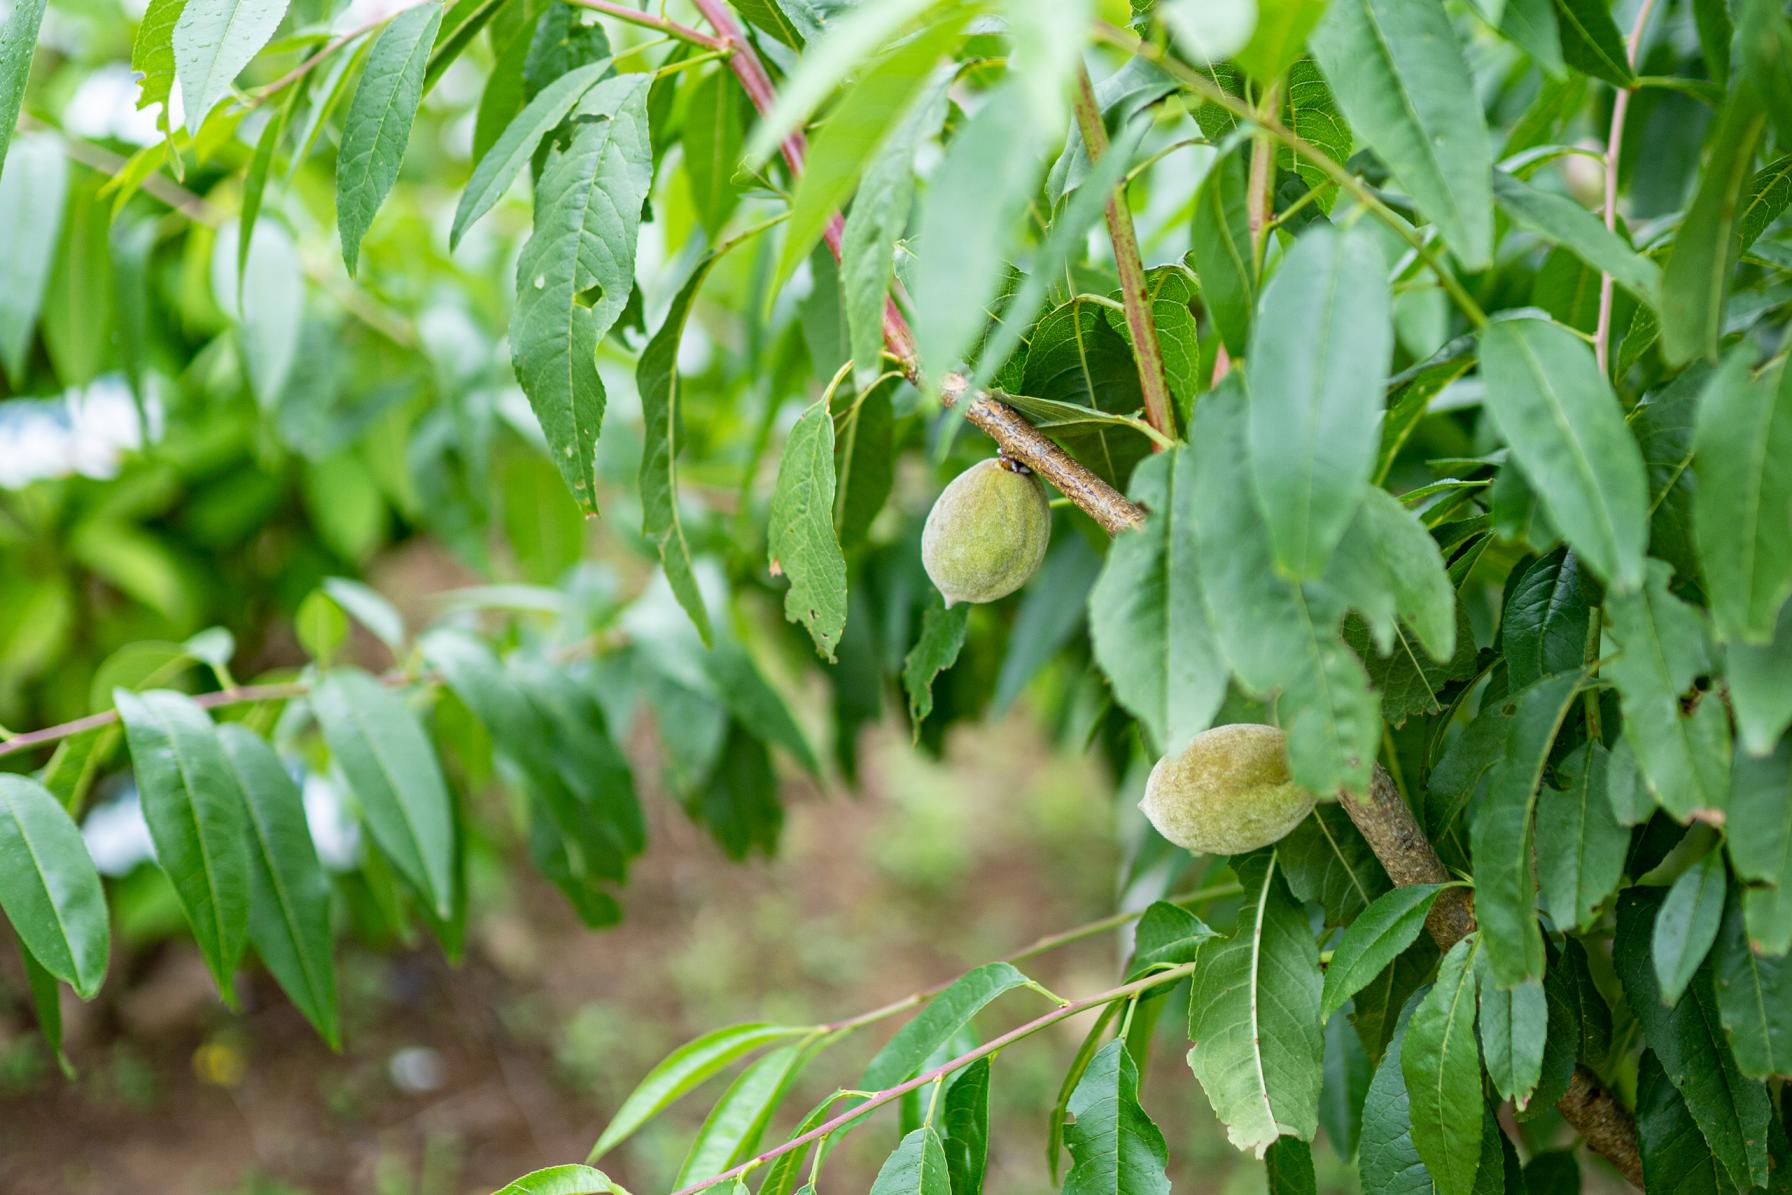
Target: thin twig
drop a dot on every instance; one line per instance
(647, 20)
(1614, 142)
(878, 1099)
(1257, 195)
(1160, 413)
(263, 95)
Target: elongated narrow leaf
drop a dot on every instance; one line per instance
(1397, 71)
(1683, 757)
(1675, 1157)
(213, 41)
(1742, 449)
(1221, 249)
(1759, 838)
(935, 1025)
(1730, 1109)
(33, 186)
(289, 894)
(1695, 280)
(964, 1122)
(392, 770)
(1564, 222)
(18, 42)
(1686, 925)
(1148, 617)
(576, 271)
(712, 143)
(1754, 1001)
(378, 126)
(1505, 891)
(1584, 857)
(1514, 1028)
(1592, 42)
(1375, 939)
(917, 1167)
(1441, 1060)
(1557, 411)
(152, 56)
(195, 817)
(803, 544)
(1254, 1017)
(683, 1069)
(514, 147)
(1115, 1149)
(733, 1127)
(1319, 356)
(49, 888)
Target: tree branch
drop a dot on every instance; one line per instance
(647, 20)
(1409, 858)
(1614, 141)
(1160, 413)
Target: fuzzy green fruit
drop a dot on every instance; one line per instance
(1230, 792)
(987, 533)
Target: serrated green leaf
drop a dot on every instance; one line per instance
(935, 1024)
(1754, 1000)
(213, 41)
(1557, 411)
(1514, 1029)
(1387, 1160)
(1686, 925)
(1441, 1060)
(1759, 838)
(378, 125)
(1115, 1149)
(577, 270)
(1379, 935)
(1742, 506)
(1326, 859)
(1544, 628)
(152, 56)
(1675, 1158)
(964, 1120)
(49, 888)
(499, 166)
(1583, 861)
(1591, 41)
(917, 1167)
(386, 757)
(289, 894)
(1254, 1017)
(196, 819)
(1396, 69)
(802, 541)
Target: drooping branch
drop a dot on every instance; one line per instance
(1614, 142)
(1394, 834)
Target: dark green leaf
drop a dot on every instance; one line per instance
(1696, 278)
(965, 1122)
(1742, 448)
(1167, 935)
(1373, 940)
(1754, 1001)
(942, 638)
(1346, 1086)
(1327, 860)
(1442, 1065)
(1544, 628)
(1676, 1159)
(1514, 1028)
(1591, 41)
(1759, 698)
(378, 125)
(1581, 845)
(918, 1167)
(49, 888)
(1387, 1160)
(1052, 610)
(1759, 836)
(1115, 1149)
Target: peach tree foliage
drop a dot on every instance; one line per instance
(1375, 412)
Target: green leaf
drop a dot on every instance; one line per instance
(1115, 1149)
(1514, 1027)
(1764, 37)
(1501, 836)
(1730, 1110)
(1544, 628)
(255, 182)
(1742, 506)
(1389, 569)
(1557, 411)
(18, 41)
(732, 1130)
(864, 462)
(1591, 42)
(152, 56)
(1288, 1166)
(802, 541)
(577, 269)
(33, 189)
(378, 125)
(289, 894)
(712, 143)
(268, 306)
(1254, 1017)
(1684, 758)
(917, 1167)
(1379, 935)
(213, 41)
(196, 819)
(1280, 35)
(1083, 367)
(866, 112)
(1442, 1064)
(1561, 221)
(1387, 1160)
(937, 1023)
(1686, 925)
(1397, 71)
(1674, 1154)
(965, 1121)
(1326, 859)
(386, 757)
(1759, 698)
(1148, 620)
(941, 639)
(1759, 837)
(1167, 936)
(1584, 860)
(1221, 252)
(1695, 280)
(1763, 200)
(500, 165)
(758, 706)
(1346, 1086)
(682, 1070)
(49, 888)
(1531, 25)
(563, 1180)
(321, 626)
(1318, 371)
(1754, 1001)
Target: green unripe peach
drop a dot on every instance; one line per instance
(1228, 793)
(987, 532)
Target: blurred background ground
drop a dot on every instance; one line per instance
(455, 1080)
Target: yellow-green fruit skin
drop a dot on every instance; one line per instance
(1228, 793)
(987, 533)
